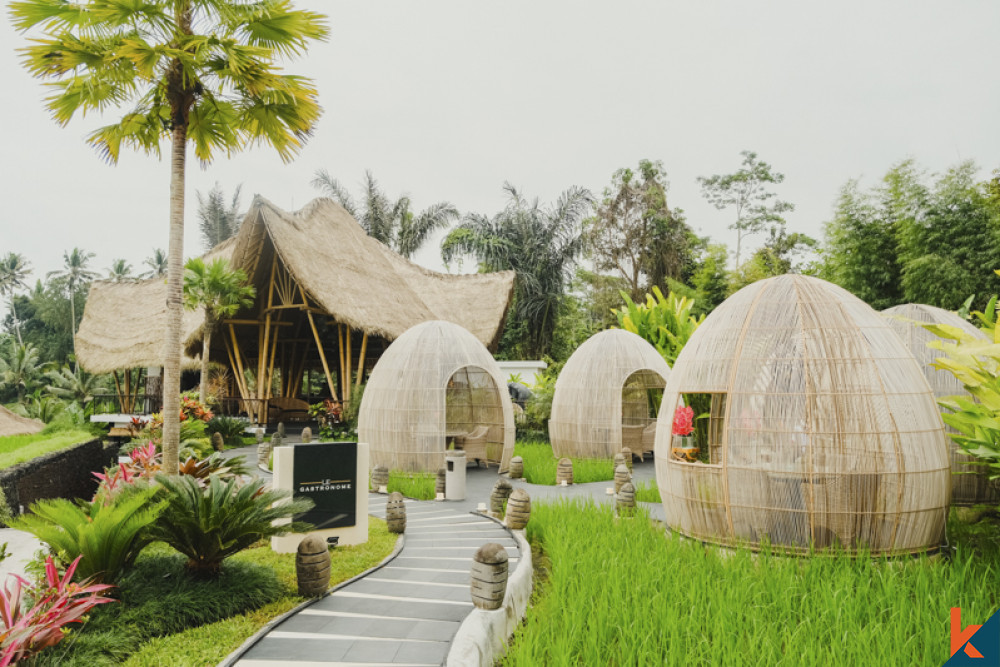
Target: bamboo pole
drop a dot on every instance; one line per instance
(361, 359)
(340, 345)
(270, 370)
(322, 357)
(350, 362)
(239, 362)
(237, 377)
(118, 390)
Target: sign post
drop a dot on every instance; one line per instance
(334, 475)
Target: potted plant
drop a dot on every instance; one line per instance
(683, 429)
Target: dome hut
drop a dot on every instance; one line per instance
(606, 397)
(436, 387)
(972, 486)
(821, 428)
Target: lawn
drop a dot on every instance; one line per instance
(16, 449)
(165, 617)
(419, 485)
(540, 465)
(624, 592)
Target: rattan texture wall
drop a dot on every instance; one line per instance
(972, 485)
(827, 431)
(602, 387)
(435, 382)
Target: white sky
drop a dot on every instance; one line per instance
(447, 100)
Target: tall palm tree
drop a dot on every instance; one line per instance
(120, 271)
(74, 273)
(199, 71)
(157, 263)
(14, 272)
(221, 291)
(218, 220)
(391, 222)
(540, 243)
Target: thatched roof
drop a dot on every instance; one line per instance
(351, 276)
(123, 323)
(12, 424)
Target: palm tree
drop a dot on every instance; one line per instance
(19, 368)
(74, 273)
(202, 71)
(221, 292)
(540, 244)
(120, 271)
(76, 385)
(14, 272)
(218, 220)
(391, 222)
(157, 264)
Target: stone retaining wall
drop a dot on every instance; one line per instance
(63, 474)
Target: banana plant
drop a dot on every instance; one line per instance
(666, 322)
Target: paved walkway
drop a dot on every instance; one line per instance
(403, 614)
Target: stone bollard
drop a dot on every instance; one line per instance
(501, 492)
(619, 461)
(489, 576)
(312, 567)
(263, 453)
(518, 509)
(627, 455)
(217, 443)
(625, 501)
(395, 512)
(439, 483)
(621, 477)
(307, 435)
(380, 477)
(259, 432)
(276, 440)
(516, 468)
(564, 472)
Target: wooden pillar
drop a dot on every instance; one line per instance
(361, 359)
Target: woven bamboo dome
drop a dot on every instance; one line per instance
(972, 485)
(610, 386)
(822, 429)
(437, 384)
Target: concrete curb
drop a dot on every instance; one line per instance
(482, 638)
(233, 657)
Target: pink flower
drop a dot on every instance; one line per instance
(684, 420)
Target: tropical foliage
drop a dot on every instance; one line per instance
(388, 221)
(666, 322)
(541, 244)
(14, 272)
(209, 524)
(218, 219)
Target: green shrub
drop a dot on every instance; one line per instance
(231, 428)
(108, 538)
(212, 523)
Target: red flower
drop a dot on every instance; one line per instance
(684, 420)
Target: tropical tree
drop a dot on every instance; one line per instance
(388, 221)
(745, 190)
(20, 368)
(776, 257)
(157, 263)
(120, 271)
(218, 220)
(635, 235)
(73, 274)
(221, 292)
(198, 71)
(14, 272)
(75, 385)
(541, 244)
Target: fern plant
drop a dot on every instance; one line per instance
(106, 537)
(208, 524)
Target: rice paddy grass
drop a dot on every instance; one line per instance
(626, 592)
(418, 485)
(540, 465)
(16, 449)
(647, 492)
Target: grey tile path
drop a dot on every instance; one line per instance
(405, 613)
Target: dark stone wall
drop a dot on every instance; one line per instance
(63, 474)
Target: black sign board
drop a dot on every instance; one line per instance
(327, 474)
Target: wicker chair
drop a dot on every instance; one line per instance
(474, 444)
(648, 439)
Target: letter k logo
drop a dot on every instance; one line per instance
(960, 636)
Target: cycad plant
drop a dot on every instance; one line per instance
(106, 537)
(209, 524)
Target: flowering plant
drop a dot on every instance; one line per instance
(193, 409)
(58, 601)
(144, 462)
(684, 420)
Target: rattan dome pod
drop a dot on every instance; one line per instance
(433, 384)
(603, 387)
(973, 485)
(823, 428)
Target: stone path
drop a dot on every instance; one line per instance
(406, 613)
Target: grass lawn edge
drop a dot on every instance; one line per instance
(251, 641)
